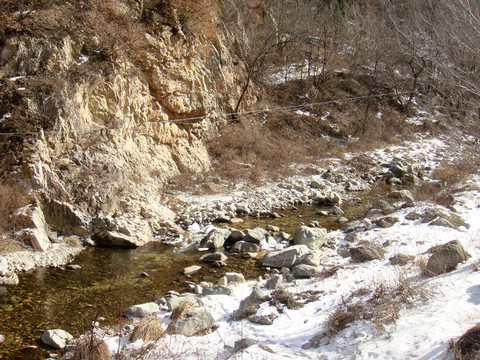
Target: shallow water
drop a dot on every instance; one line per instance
(110, 281)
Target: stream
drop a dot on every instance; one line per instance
(110, 280)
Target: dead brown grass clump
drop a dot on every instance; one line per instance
(181, 310)
(468, 346)
(382, 308)
(91, 348)
(148, 329)
(73, 241)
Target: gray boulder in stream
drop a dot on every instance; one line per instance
(215, 238)
(56, 338)
(286, 257)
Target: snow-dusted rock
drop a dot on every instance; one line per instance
(365, 253)
(284, 258)
(249, 305)
(303, 271)
(215, 238)
(446, 257)
(313, 238)
(192, 323)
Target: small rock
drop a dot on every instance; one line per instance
(144, 274)
(234, 277)
(353, 226)
(142, 310)
(10, 279)
(364, 253)
(56, 338)
(3, 266)
(216, 290)
(242, 208)
(404, 195)
(2, 338)
(191, 269)
(74, 267)
(222, 281)
(243, 344)
(413, 216)
(303, 271)
(234, 221)
(401, 259)
(217, 256)
(262, 320)
(274, 282)
(273, 228)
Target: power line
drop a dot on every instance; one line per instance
(183, 121)
(249, 113)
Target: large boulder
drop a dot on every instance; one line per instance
(36, 233)
(284, 258)
(249, 305)
(56, 338)
(256, 236)
(192, 323)
(313, 238)
(445, 258)
(215, 238)
(121, 232)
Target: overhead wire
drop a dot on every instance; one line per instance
(246, 114)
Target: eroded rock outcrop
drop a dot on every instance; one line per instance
(111, 136)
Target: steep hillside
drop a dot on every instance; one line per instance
(88, 90)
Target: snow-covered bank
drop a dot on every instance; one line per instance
(438, 309)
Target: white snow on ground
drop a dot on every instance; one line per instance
(449, 305)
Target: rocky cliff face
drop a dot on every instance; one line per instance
(109, 144)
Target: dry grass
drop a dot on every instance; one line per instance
(91, 347)
(382, 308)
(468, 346)
(148, 329)
(181, 310)
(73, 241)
(12, 197)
